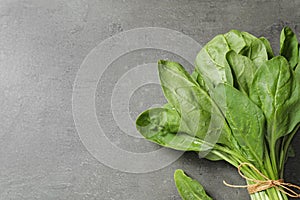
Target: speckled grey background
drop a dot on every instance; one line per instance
(43, 43)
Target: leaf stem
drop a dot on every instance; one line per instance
(285, 146)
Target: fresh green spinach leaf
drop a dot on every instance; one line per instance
(211, 62)
(188, 188)
(271, 89)
(192, 102)
(243, 70)
(161, 126)
(245, 120)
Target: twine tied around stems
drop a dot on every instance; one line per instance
(260, 185)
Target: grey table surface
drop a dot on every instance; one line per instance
(42, 46)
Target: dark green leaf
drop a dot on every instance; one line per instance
(243, 69)
(191, 101)
(293, 103)
(188, 188)
(245, 120)
(271, 89)
(211, 62)
(161, 126)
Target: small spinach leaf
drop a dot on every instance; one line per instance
(289, 46)
(188, 188)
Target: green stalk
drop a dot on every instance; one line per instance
(270, 194)
(273, 159)
(234, 158)
(268, 164)
(284, 149)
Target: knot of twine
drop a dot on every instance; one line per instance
(260, 185)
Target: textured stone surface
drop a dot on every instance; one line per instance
(43, 43)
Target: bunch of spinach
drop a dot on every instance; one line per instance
(241, 104)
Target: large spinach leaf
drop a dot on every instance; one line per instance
(243, 70)
(192, 103)
(161, 126)
(271, 89)
(211, 62)
(245, 120)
